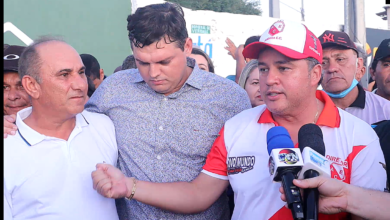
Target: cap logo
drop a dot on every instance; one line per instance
(329, 38)
(11, 57)
(276, 28)
(315, 41)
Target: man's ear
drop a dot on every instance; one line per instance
(101, 76)
(188, 47)
(31, 86)
(316, 74)
(372, 72)
(360, 63)
(362, 72)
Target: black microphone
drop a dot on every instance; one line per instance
(312, 146)
(284, 164)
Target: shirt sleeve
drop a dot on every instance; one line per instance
(367, 168)
(99, 100)
(216, 160)
(7, 205)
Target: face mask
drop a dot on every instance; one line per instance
(345, 92)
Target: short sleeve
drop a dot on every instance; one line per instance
(216, 160)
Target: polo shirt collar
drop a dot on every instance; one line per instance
(195, 79)
(329, 116)
(32, 137)
(360, 101)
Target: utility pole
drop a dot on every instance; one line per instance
(303, 12)
(274, 9)
(355, 27)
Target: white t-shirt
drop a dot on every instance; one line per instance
(370, 107)
(240, 155)
(48, 178)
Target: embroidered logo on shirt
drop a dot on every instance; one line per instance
(240, 164)
(338, 167)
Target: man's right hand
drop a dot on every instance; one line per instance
(110, 182)
(333, 193)
(9, 125)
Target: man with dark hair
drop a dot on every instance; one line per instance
(380, 70)
(15, 97)
(168, 112)
(129, 63)
(341, 64)
(239, 154)
(92, 69)
(48, 163)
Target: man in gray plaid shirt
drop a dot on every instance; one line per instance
(168, 112)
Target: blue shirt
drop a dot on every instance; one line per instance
(167, 138)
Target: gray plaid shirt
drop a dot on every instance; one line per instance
(167, 138)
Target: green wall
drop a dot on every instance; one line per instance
(97, 27)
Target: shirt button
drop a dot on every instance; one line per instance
(161, 128)
(165, 99)
(158, 157)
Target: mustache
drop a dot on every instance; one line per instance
(332, 75)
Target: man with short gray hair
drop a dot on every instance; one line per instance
(341, 64)
(48, 162)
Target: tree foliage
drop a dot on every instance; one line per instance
(245, 7)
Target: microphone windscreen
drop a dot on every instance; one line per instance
(278, 137)
(310, 135)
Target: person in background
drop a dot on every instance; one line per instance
(15, 97)
(202, 59)
(119, 68)
(249, 80)
(92, 69)
(341, 64)
(48, 163)
(380, 70)
(91, 89)
(336, 196)
(129, 63)
(236, 53)
(382, 129)
(371, 85)
(361, 53)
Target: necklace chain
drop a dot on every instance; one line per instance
(315, 118)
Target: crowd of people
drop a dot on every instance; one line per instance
(161, 137)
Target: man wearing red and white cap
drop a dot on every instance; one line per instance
(289, 57)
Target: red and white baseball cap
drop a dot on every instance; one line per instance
(291, 39)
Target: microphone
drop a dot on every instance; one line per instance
(311, 144)
(284, 164)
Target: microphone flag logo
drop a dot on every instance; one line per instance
(288, 156)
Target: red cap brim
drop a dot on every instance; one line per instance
(252, 51)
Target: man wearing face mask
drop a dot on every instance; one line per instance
(340, 64)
